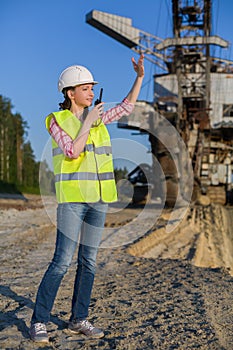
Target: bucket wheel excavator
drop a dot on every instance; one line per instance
(193, 93)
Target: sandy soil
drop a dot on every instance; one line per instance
(163, 291)
(204, 237)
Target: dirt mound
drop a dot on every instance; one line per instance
(20, 202)
(204, 237)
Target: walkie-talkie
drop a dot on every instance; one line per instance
(100, 97)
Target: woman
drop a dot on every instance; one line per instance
(84, 180)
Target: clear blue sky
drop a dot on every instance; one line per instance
(39, 38)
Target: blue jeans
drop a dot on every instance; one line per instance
(77, 224)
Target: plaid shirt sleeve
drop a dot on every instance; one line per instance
(63, 140)
(125, 108)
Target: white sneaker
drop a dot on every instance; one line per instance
(85, 327)
(38, 333)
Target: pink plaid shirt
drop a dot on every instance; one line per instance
(65, 142)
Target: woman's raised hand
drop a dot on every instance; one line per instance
(139, 67)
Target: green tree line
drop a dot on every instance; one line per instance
(18, 165)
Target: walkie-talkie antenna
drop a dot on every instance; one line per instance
(100, 97)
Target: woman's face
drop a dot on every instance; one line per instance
(82, 95)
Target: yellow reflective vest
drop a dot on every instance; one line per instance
(90, 177)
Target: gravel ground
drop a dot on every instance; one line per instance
(161, 302)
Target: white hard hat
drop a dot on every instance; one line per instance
(75, 75)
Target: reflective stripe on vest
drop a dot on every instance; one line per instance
(90, 177)
(84, 176)
(89, 148)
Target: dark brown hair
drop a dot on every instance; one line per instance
(66, 104)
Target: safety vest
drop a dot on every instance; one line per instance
(90, 177)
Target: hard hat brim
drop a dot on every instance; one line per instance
(75, 84)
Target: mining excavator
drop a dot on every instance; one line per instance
(193, 93)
